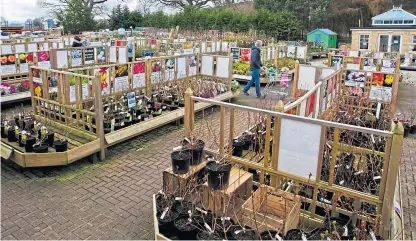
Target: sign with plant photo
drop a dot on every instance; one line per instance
(104, 73)
(101, 55)
(121, 81)
(156, 71)
(169, 69)
(355, 78)
(388, 65)
(76, 57)
(8, 64)
(381, 87)
(336, 60)
(37, 82)
(352, 63)
(235, 53)
(24, 60)
(89, 56)
(139, 76)
(245, 54)
(44, 60)
(192, 65)
(370, 64)
(72, 87)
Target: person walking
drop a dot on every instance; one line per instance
(255, 66)
(77, 42)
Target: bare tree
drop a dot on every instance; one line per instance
(145, 6)
(181, 4)
(89, 5)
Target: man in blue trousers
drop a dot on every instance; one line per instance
(255, 66)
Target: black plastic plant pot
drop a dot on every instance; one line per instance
(180, 161)
(201, 218)
(413, 129)
(166, 226)
(218, 175)
(156, 114)
(293, 234)
(247, 233)
(406, 131)
(107, 123)
(196, 149)
(41, 148)
(270, 235)
(30, 141)
(182, 207)
(238, 146)
(107, 130)
(150, 104)
(3, 132)
(181, 104)
(145, 117)
(117, 126)
(247, 141)
(186, 227)
(61, 146)
(135, 120)
(51, 138)
(127, 123)
(204, 235)
(11, 135)
(173, 107)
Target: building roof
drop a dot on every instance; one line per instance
(324, 30)
(395, 14)
(384, 27)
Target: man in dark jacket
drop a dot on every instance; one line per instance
(77, 42)
(255, 66)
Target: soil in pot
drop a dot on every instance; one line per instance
(61, 146)
(180, 161)
(293, 234)
(218, 175)
(202, 218)
(413, 129)
(269, 235)
(204, 235)
(238, 146)
(406, 131)
(11, 134)
(182, 207)
(51, 138)
(41, 148)
(166, 221)
(30, 141)
(186, 228)
(247, 233)
(196, 150)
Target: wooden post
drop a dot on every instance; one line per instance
(99, 115)
(275, 181)
(395, 87)
(222, 129)
(295, 80)
(266, 148)
(32, 89)
(395, 153)
(189, 113)
(334, 153)
(329, 59)
(231, 135)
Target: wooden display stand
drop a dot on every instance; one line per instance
(172, 183)
(272, 209)
(240, 186)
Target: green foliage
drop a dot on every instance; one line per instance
(75, 17)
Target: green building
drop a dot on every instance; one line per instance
(323, 37)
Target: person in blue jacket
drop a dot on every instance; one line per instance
(255, 66)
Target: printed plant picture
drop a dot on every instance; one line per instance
(43, 56)
(121, 70)
(355, 78)
(385, 80)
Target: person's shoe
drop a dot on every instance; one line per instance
(246, 93)
(258, 96)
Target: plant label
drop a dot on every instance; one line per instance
(304, 237)
(345, 231)
(178, 148)
(208, 227)
(372, 138)
(164, 213)
(278, 237)
(378, 110)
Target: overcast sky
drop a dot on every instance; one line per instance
(21, 10)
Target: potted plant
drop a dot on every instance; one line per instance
(40, 146)
(218, 172)
(238, 146)
(181, 160)
(196, 147)
(61, 145)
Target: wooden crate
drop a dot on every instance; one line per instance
(269, 208)
(239, 188)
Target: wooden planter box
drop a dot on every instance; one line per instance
(273, 209)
